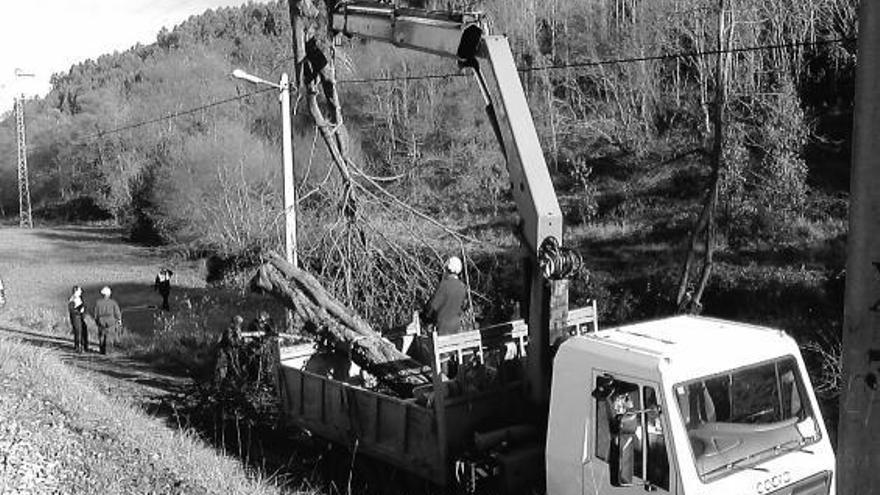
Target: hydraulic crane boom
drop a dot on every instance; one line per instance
(462, 36)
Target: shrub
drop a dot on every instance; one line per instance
(80, 209)
(587, 203)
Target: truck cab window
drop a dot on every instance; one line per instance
(749, 414)
(614, 398)
(621, 418)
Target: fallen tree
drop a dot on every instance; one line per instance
(326, 318)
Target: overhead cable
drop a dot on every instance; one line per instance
(576, 65)
(613, 61)
(174, 115)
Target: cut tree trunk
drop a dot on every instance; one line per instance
(327, 318)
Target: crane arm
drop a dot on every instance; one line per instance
(432, 32)
(462, 36)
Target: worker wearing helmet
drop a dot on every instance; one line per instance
(108, 316)
(445, 308)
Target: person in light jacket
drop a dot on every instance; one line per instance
(108, 316)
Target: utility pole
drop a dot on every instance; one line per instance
(858, 443)
(287, 161)
(24, 190)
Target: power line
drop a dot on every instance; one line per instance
(614, 61)
(702, 53)
(174, 115)
(404, 78)
(578, 65)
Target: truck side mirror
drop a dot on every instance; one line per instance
(622, 459)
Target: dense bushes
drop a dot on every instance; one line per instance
(81, 209)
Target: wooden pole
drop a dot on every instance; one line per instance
(858, 444)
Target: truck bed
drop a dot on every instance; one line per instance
(398, 431)
(420, 437)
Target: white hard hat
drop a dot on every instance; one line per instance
(105, 291)
(453, 265)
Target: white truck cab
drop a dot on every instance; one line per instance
(685, 405)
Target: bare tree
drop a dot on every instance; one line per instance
(689, 297)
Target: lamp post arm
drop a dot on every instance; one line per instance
(240, 74)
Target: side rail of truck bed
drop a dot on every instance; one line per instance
(477, 342)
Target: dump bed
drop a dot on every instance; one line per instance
(421, 436)
(398, 431)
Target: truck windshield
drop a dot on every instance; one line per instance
(737, 419)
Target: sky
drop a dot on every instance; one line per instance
(42, 37)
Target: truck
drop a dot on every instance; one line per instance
(683, 405)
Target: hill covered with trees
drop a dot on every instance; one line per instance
(163, 141)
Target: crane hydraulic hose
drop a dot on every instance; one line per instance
(557, 262)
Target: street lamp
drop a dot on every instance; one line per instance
(287, 161)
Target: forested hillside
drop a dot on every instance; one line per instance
(623, 93)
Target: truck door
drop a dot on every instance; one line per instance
(628, 454)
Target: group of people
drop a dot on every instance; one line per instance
(107, 316)
(444, 310)
(106, 313)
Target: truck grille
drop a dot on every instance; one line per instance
(818, 484)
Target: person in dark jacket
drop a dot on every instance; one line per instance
(163, 286)
(447, 304)
(227, 366)
(261, 359)
(77, 311)
(108, 316)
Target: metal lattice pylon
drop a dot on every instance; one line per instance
(24, 191)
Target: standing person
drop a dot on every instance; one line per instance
(109, 319)
(447, 304)
(227, 368)
(262, 353)
(2, 294)
(77, 311)
(163, 286)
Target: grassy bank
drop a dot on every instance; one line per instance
(60, 435)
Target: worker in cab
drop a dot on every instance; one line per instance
(447, 304)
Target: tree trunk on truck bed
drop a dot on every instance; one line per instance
(328, 318)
